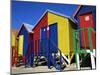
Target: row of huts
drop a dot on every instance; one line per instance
(58, 29)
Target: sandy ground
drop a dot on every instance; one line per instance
(22, 69)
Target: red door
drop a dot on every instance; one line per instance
(86, 20)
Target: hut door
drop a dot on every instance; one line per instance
(20, 45)
(53, 37)
(49, 38)
(44, 40)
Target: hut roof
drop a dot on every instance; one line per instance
(27, 26)
(79, 7)
(56, 13)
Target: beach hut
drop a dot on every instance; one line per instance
(86, 17)
(24, 36)
(58, 28)
(86, 33)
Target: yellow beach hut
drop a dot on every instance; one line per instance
(65, 27)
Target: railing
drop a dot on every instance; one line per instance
(55, 54)
(83, 39)
(84, 42)
(45, 50)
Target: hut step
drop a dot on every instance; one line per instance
(65, 58)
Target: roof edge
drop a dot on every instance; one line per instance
(79, 7)
(20, 29)
(23, 24)
(39, 20)
(54, 12)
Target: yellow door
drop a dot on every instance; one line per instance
(20, 46)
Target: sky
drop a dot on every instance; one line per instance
(30, 12)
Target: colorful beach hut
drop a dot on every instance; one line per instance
(86, 33)
(86, 17)
(58, 28)
(25, 35)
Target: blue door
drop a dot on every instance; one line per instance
(44, 41)
(53, 37)
(49, 38)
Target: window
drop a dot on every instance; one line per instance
(87, 18)
(44, 29)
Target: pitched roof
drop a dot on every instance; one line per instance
(57, 13)
(79, 7)
(27, 26)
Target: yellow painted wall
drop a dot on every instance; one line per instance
(20, 45)
(63, 31)
(13, 39)
(71, 44)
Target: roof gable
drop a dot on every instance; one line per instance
(84, 8)
(79, 7)
(28, 27)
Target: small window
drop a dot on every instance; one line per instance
(87, 18)
(44, 29)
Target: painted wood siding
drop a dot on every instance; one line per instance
(25, 33)
(72, 27)
(20, 47)
(37, 32)
(82, 24)
(63, 31)
(86, 20)
(86, 9)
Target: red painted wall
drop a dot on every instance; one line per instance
(86, 20)
(37, 30)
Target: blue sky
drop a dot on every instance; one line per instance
(30, 12)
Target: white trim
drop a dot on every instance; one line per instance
(39, 19)
(23, 24)
(92, 60)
